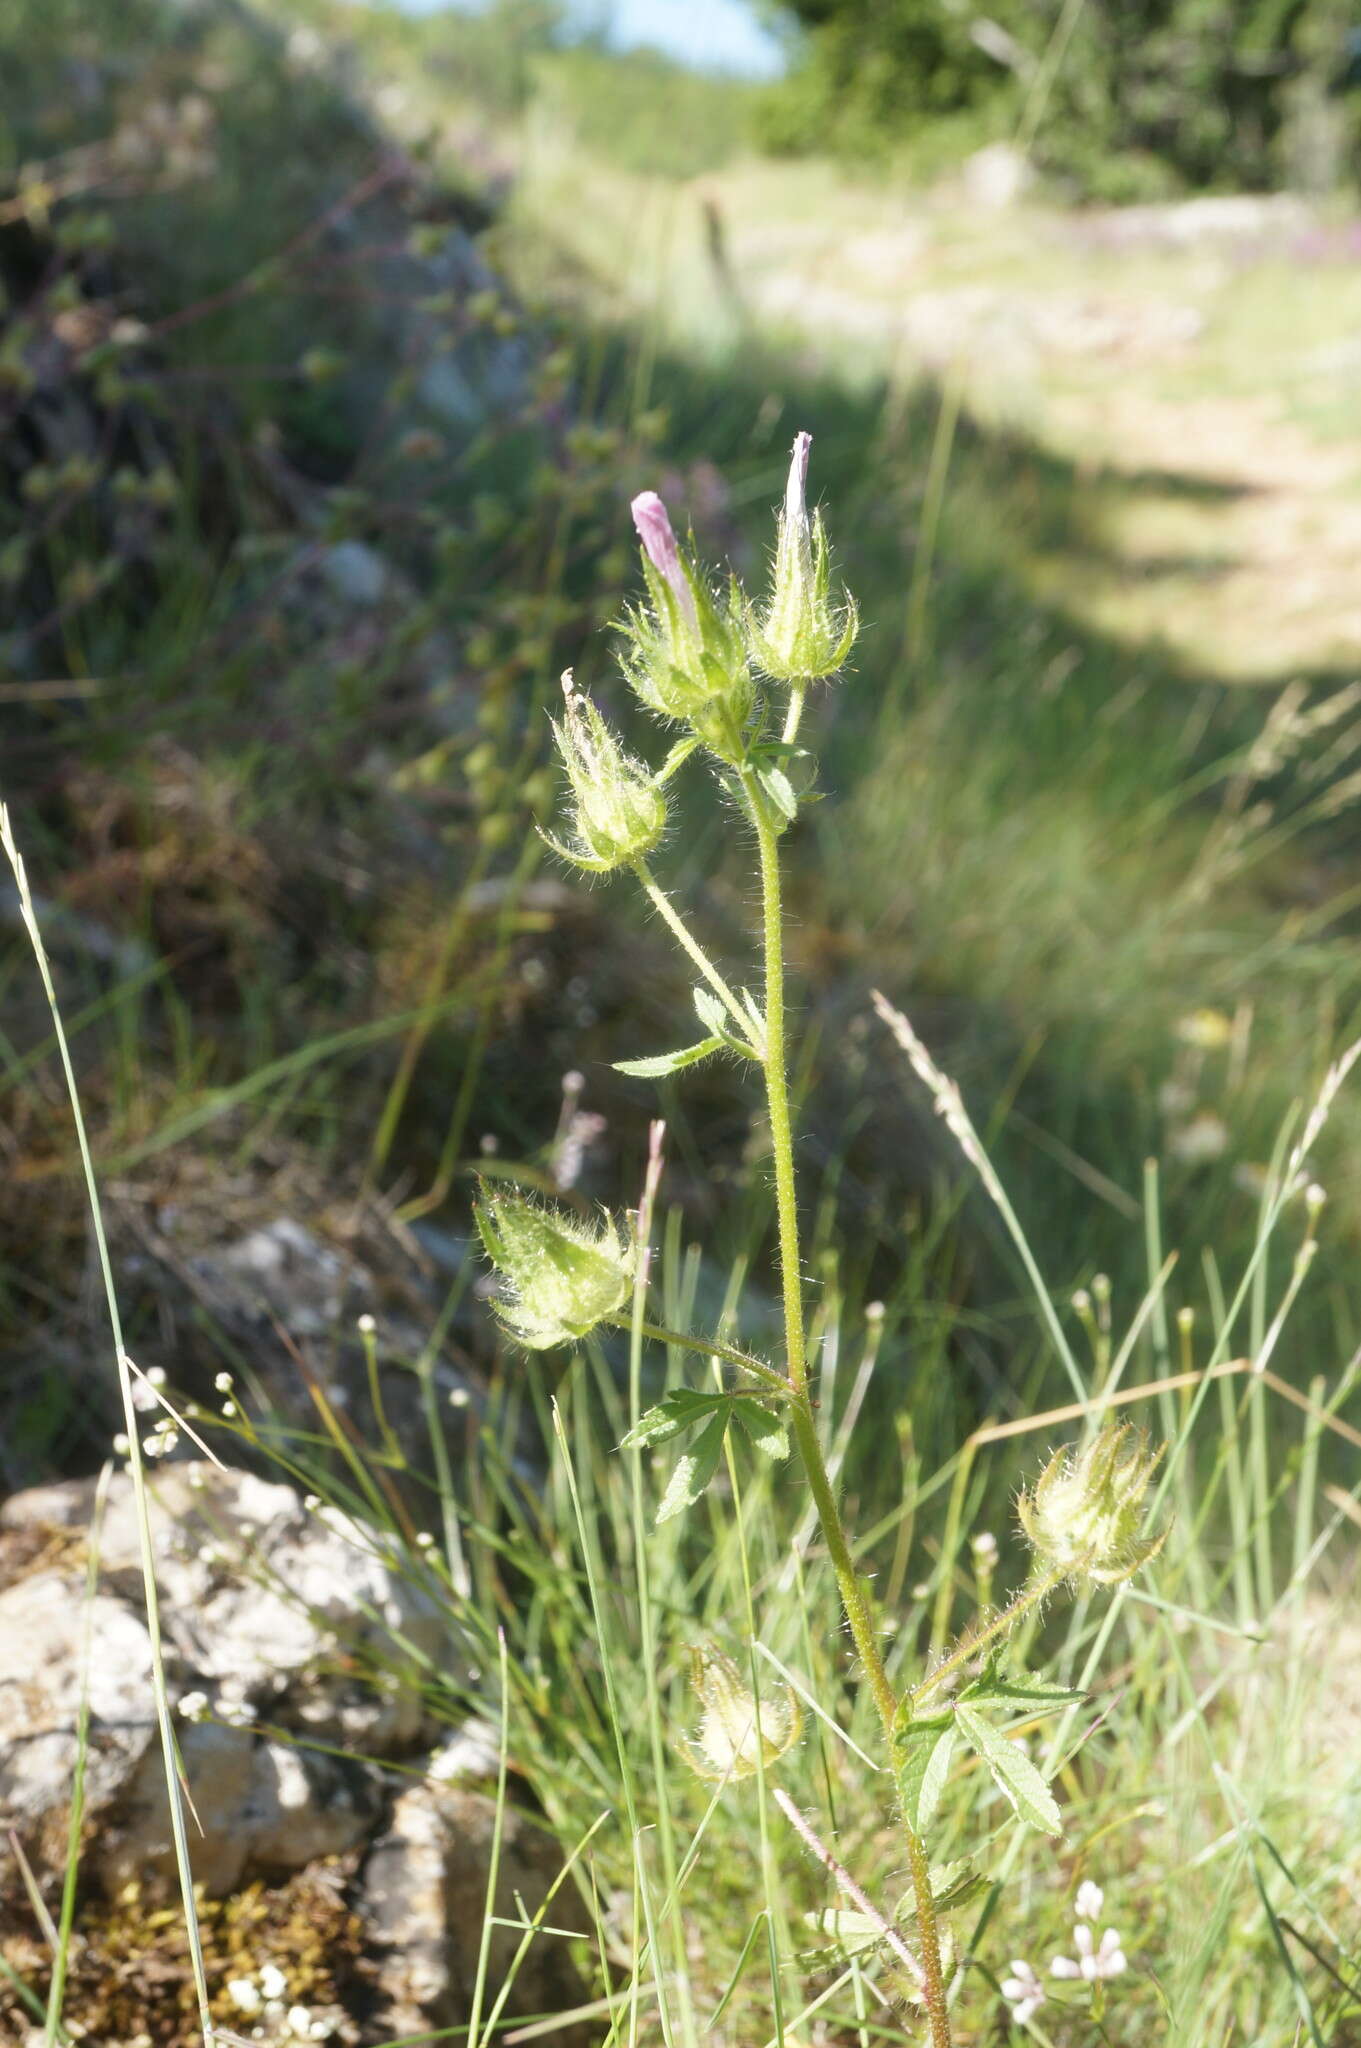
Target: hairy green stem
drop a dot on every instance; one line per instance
(1002, 1623)
(709, 1348)
(776, 1067)
(777, 1081)
(690, 945)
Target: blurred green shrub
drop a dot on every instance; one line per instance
(1138, 96)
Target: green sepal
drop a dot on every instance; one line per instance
(592, 863)
(677, 757)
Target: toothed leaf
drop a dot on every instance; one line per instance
(693, 1470)
(779, 789)
(766, 1431)
(681, 1409)
(922, 1752)
(1012, 1771)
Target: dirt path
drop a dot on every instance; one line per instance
(1200, 365)
(1253, 570)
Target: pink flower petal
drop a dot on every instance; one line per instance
(659, 543)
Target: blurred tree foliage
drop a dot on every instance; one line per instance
(1133, 97)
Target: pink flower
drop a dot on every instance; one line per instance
(659, 544)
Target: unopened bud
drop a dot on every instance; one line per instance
(618, 811)
(1084, 1516)
(653, 522)
(560, 1277)
(686, 655)
(802, 634)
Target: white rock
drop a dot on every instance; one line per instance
(261, 1805)
(44, 1621)
(268, 1601)
(423, 1897)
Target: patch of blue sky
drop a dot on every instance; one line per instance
(711, 35)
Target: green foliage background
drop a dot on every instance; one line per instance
(1137, 96)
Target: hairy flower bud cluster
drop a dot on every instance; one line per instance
(619, 813)
(736, 1735)
(560, 1277)
(1084, 1516)
(802, 635)
(685, 654)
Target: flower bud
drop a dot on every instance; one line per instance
(560, 1277)
(802, 635)
(685, 656)
(1084, 1516)
(736, 1736)
(619, 810)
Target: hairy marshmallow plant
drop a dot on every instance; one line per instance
(733, 675)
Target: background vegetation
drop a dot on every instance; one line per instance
(1141, 99)
(332, 346)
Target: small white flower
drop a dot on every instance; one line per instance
(300, 2023)
(194, 1706)
(244, 1995)
(1090, 1899)
(229, 1409)
(273, 1981)
(311, 1501)
(1094, 1962)
(223, 1383)
(1201, 1141)
(984, 1547)
(121, 1445)
(1022, 1991)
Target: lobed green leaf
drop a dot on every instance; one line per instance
(1012, 1771)
(693, 1470)
(669, 1062)
(922, 1752)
